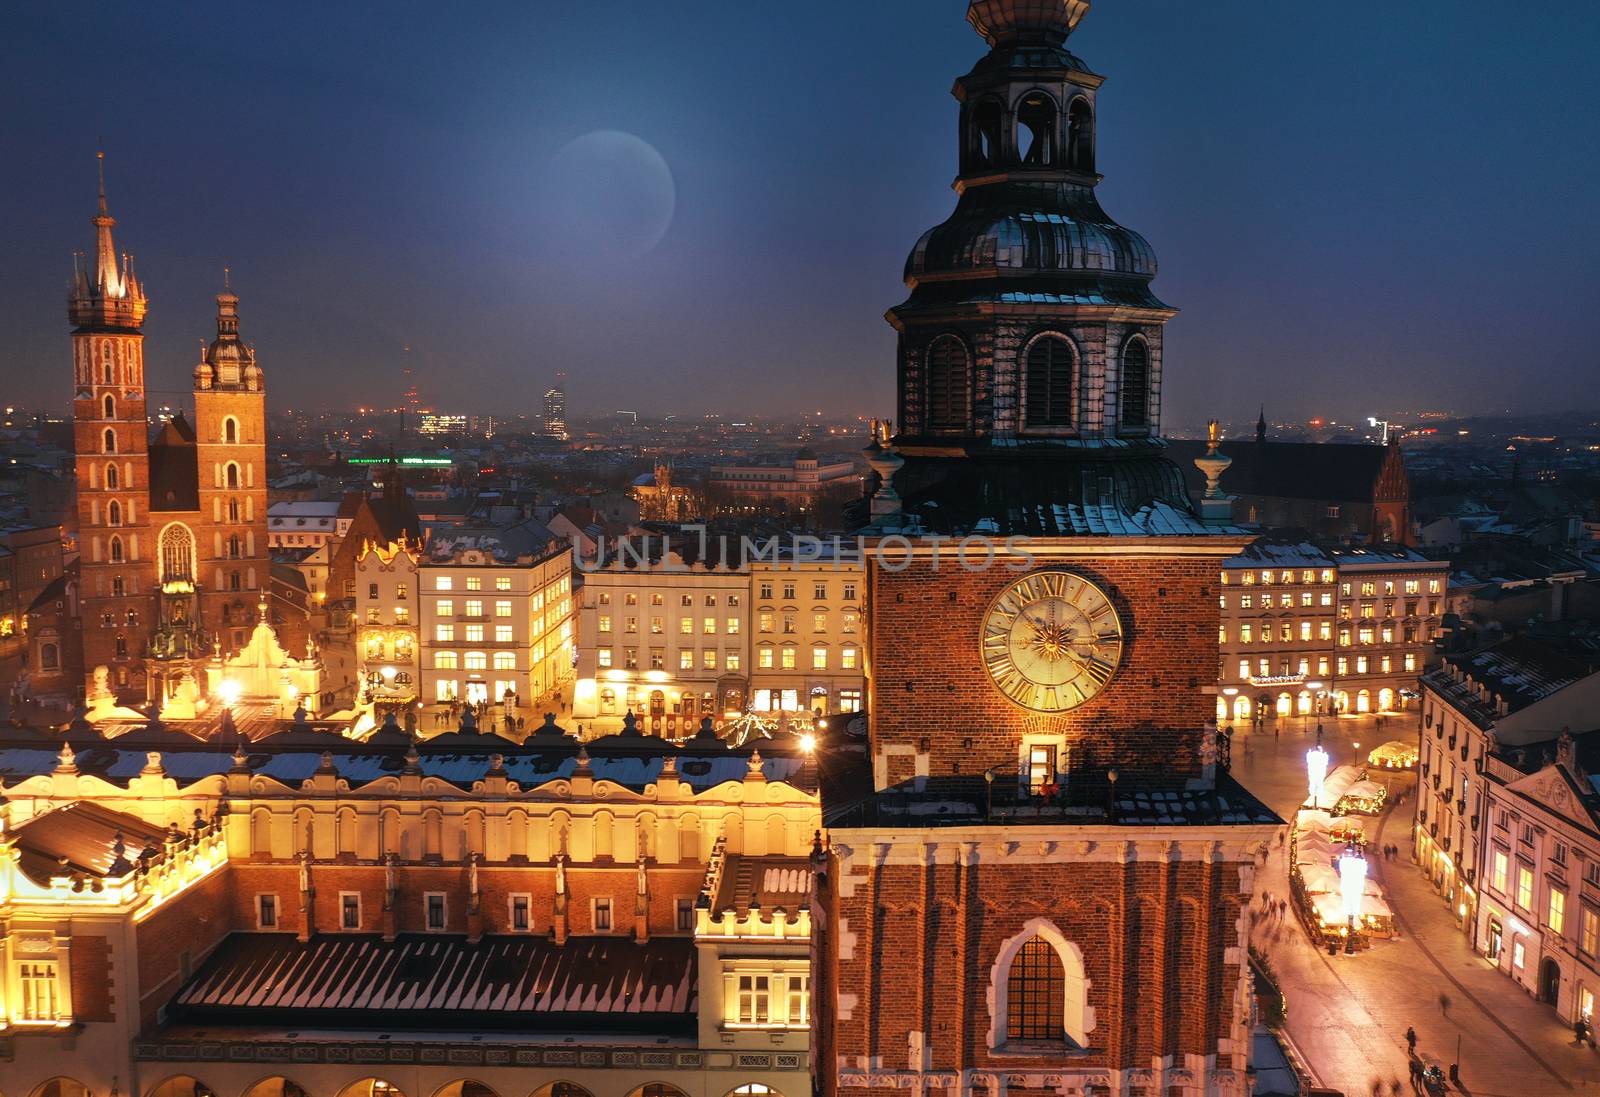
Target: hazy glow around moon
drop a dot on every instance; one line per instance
(607, 194)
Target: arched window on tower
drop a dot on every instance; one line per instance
(1080, 136)
(109, 407)
(1036, 130)
(177, 554)
(110, 440)
(233, 510)
(1035, 994)
(1135, 384)
(105, 373)
(116, 550)
(232, 474)
(235, 547)
(111, 477)
(947, 383)
(1050, 393)
(113, 513)
(230, 430)
(983, 141)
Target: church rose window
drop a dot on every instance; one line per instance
(1051, 382)
(1035, 993)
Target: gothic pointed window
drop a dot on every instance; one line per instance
(116, 550)
(230, 430)
(111, 477)
(113, 513)
(177, 554)
(110, 439)
(947, 384)
(232, 475)
(1050, 378)
(1036, 130)
(1080, 136)
(109, 407)
(233, 510)
(1035, 993)
(1135, 411)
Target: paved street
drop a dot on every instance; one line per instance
(1348, 1014)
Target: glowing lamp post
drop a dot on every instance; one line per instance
(1316, 770)
(1352, 886)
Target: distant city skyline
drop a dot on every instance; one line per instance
(478, 191)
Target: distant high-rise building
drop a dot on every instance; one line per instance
(555, 409)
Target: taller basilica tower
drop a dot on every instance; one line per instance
(172, 530)
(1036, 873)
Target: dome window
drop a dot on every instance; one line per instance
(1135, 411)
(1051, 382)
(947, 384)
(1080, 136)
(1036, 130)
(984, 136)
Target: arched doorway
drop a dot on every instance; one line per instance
(562, 1089)
(1549, 982)
(466, 1087)
(1386, 700)
(276, 1086)
(1241, 709)
(61, 1087)
(1302, 704)
(1341, 702)
(1364, 701)
(1222, 710)
(1285, 704)
(181, 1085)
(371, 1087)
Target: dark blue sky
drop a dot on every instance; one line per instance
(1359, 207)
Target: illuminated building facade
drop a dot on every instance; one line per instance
(1308, 630)
(1038, 868)
(806, 644)
(496, 614)
(662, 639)
(172, 530)
(554, 421)
(1490, 719)
(317, 916)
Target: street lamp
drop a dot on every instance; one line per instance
(1316, 769)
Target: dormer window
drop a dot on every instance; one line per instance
(1050, 382)
(947, 383)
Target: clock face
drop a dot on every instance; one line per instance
(1051, 641)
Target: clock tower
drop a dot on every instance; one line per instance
(1036, 866)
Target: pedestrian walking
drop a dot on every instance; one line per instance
(1411, 1040)
(1416, 1074)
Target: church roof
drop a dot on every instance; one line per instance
(174, 468)
(81, 837)
(431, 980)
(1288, 470)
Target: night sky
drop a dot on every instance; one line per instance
(1359, 207)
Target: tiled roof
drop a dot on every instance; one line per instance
(767, 882)
(1518, 671)
(174, 468)
(433, 980)
(81, 837)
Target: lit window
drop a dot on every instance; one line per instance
(819, 622)
(1498, 876)
(502, 582)
(1556, 914)
(474, 634)
(754, 999)
(502, 634)
(732, 662)
(476, 660)
(708, 626)
(474, 607)
(847, 658)
(605, 623)
(708, 659)
(474, 582)
(764, 659)
(444, 607)
(787, 662)
(445, 660)
(506, 660)
(1524, 887)
(443, 582)
(686, 626)
(1589, 934)
(40, 991)
(445, 634)
(686, 660)
(604, 657)
(819, 658)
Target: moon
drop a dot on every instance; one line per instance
(607, 195)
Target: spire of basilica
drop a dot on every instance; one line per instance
(107, 294)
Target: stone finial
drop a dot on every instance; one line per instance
(1216, 509)
(754, 773)
(66, 761)
(669, 764)
(241, 761)
(497, 765)
(583, 761)
(413, 759)
(152, 762)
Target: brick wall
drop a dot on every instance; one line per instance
(930, 691)
(914, 945)
(177, 937)
(93, 981)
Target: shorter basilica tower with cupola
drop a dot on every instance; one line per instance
(171, 528)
